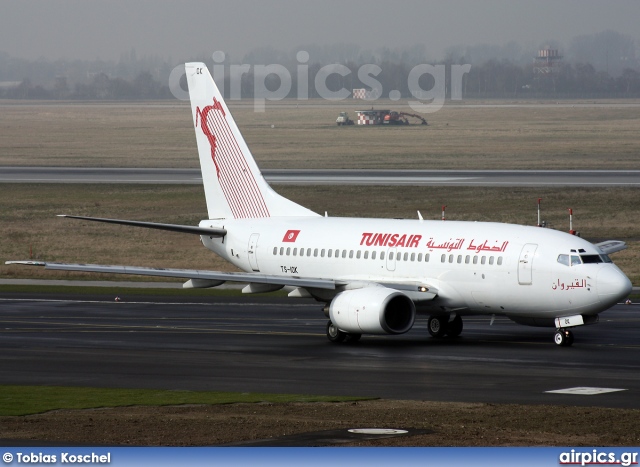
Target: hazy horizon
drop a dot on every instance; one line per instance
(76, 29)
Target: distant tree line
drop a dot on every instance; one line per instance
(493, 79)
(100, 87)
(596, 65)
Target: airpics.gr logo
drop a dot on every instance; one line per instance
(291, 236)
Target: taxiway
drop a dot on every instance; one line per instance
(278, 345)
(599, 178)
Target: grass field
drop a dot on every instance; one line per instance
(28, 225)
(523, 135)
(26, 400)
(529, 135)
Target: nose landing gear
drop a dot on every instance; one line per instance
(563, 337)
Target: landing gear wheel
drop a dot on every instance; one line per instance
(563, 338)
(352, 338)
(454, 328)
(334, 334)
(437, 326)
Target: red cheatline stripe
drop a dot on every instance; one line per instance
(229, 157)
(231, 181)
(212, 143)
(219, 161)
(240, 158)
(253, 186)
(235, 159)
(238, 172)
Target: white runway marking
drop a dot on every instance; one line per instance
(377, 431)
(584, 391)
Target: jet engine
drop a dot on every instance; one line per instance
(372, 310)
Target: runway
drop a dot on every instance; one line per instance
(278, 345)
(331, 177)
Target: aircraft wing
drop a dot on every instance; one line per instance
(416, 291)
(187, 274)
(611, 246)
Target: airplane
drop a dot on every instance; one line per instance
(375, 275)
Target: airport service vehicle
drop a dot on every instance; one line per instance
(401, 118)
(343, 119)
(375, 275)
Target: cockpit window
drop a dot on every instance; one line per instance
(593, 259)
(573, 260)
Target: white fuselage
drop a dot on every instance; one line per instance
(476, 267)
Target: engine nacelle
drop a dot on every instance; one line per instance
(373, 310)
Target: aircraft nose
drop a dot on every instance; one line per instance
(612, 285)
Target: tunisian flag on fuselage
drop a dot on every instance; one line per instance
(291, 236)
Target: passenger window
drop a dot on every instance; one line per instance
(413, 256)
(406, 257)
(373, 255)
(295, 252)
(426, 258)
(483, 260)
(337, 253)
(350, 254)
(288, 251)
(419, 257)
(499, 260)
(443, 258)
(322, 253)
(315, 252)
(490, 259)
(366, 255)
(475, 260)
(467, 259)
(329, 253)
(344, 253)
(358, 254)
(391, 255)
(451, 258)
(459, 259)
(275, 250)
(281, 250)
(563, 259)
(382, 255)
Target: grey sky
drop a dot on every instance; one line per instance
(104, 29)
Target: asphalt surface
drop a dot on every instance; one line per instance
(331, 177)
(278, 345)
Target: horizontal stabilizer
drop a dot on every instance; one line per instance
(153, 225)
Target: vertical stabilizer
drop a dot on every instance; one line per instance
(233, 185)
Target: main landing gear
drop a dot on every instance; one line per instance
(336, 335)
(563, 337)
(440, 325)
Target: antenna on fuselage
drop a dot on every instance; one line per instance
(571, 231)
(539, 221)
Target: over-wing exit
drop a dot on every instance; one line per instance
(374, 276)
